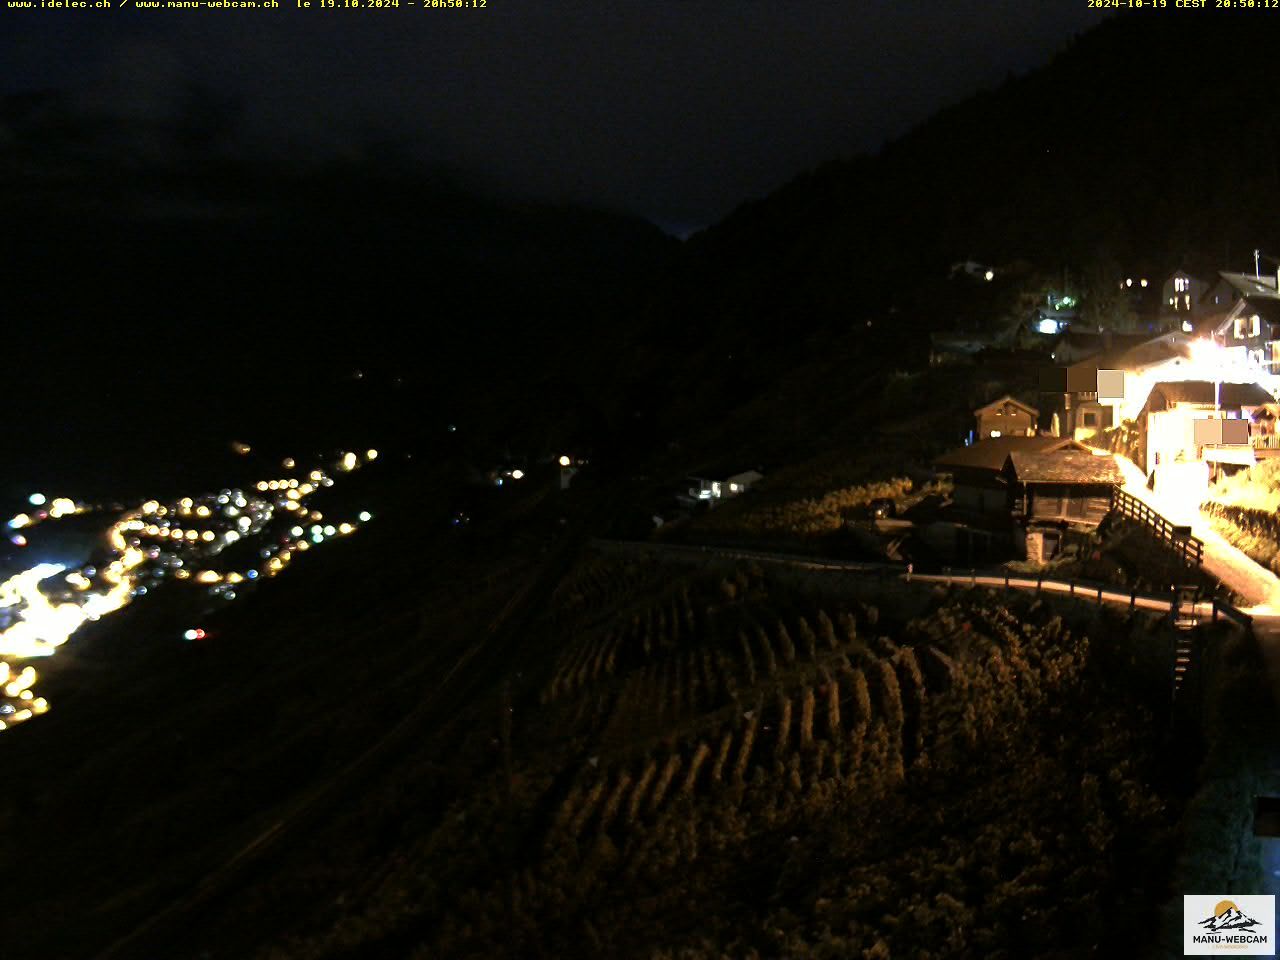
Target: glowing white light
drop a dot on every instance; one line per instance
(565, 461)
(365, 516)
(36, 499)
(517, 474)
(990, 275)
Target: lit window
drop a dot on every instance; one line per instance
(1254, 325)
(1186, 326)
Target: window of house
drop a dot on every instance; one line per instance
(1090, 419)
(1239, 328)
(1255, 324)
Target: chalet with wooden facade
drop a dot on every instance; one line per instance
(1172, 410)
(1024, 495)
(977, 471)
(1006, 417)
(1251, 328)
(1181, 295)
(1103, 390)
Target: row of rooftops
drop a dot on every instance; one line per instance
(1034, 460)
(1212, 310)
(1229, 396)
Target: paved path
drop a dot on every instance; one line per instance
(1097, 593)
(1256, 583)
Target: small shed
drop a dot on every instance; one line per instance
(980, 484)
(1056, 491)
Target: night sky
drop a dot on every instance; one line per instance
(676, 111)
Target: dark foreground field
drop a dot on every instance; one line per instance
(511, 743)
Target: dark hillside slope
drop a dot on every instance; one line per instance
(1152, 141)
(1148, 143)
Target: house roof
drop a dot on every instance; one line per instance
(991, 454)
(1158, 349)
(1066, 465)
(1251, 286)
(972, 340)
(717, 472)
(1230, 395)
(1007, 398)
(746, 477)
(1090, 339)
(1151, 351)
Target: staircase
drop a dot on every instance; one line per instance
(1185, 620)
(1181, 660)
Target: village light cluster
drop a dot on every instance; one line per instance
(156, 542)
(58, 508)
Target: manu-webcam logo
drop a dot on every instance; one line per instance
(1242, 925)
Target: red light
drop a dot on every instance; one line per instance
(200, 634)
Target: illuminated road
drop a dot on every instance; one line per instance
(219, 543)
(1222, 560)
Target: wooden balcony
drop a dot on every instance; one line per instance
(1261, 446)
